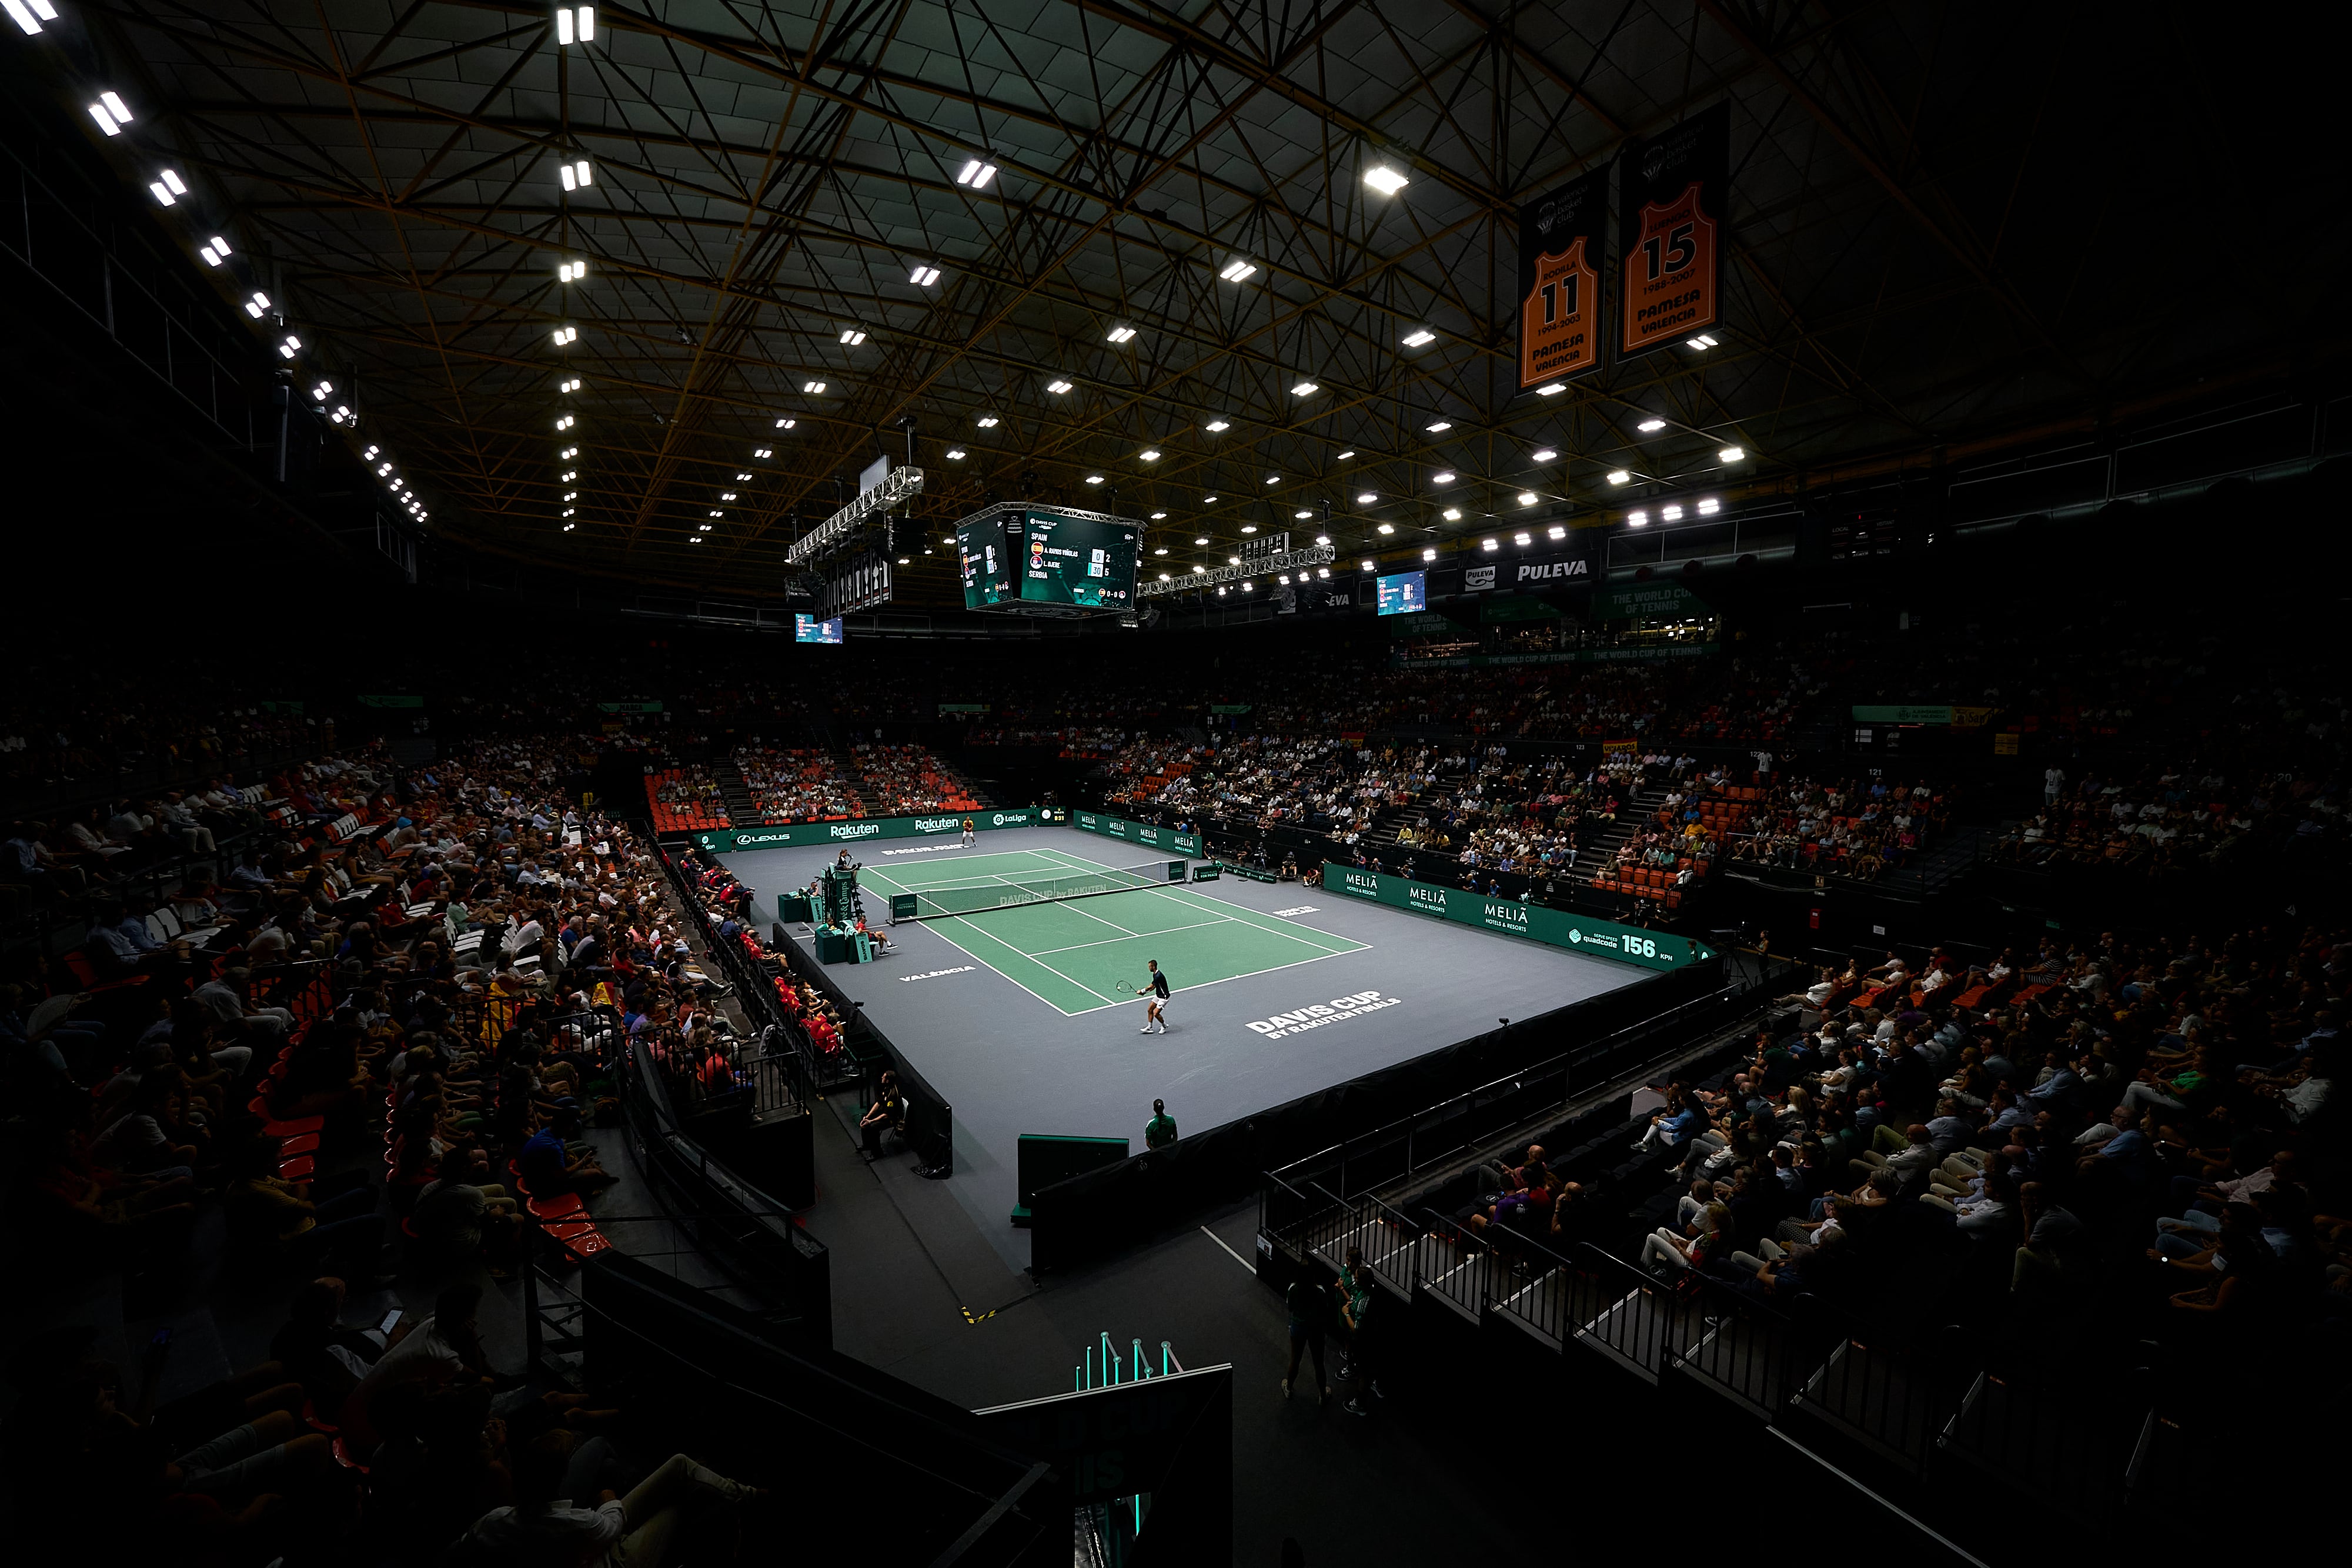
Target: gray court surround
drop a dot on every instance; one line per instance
(1011, 1064)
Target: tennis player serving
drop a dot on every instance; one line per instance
(1155, 986)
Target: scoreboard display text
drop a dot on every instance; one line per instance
(1048, 559)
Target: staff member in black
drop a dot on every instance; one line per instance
(1155, 1021)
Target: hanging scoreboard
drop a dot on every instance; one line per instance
(1031, 561)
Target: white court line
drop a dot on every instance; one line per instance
(1109, 940)
(1204, 985)
(940, 927)
(1292, 932)
(1229, 1251)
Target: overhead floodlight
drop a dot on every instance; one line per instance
(1385, 179)
(923, 277)
(1439, 427)
(1731, 455)
(1274, 478)
(1366, 497)
(1618, 477)
(107, 120)
(1304, 389)
(214, 251)
(563, 27)
(764, 452)
(1322, 571)
(1157, 517)
(571, 494)
(256, 305)
(1420, 335)
(569, 510)
(1429, 555)
(564, 335)
(1556, 531)
(718, 514)
(571, 271)
(956, 454)
(786, 424)
(976, 173)
(1521, 539)
(571, 385)
(167, 188)
(1236, 269)
(1120, 334)
(1215, 425)
(740, 477)
(1703, 342)
(1204, 568)
(1057, 387)
(1671, 512)
(1387, 528)
(1208, 500)
(1637, 519)
(1162, 550)
(568, 453)
(813, 389)
(323, 391)
(1649, 426)
(1368, 565)
(1232, 561)
(1285, 579)
(1453, 514)
(1094, 479)
(1163, 576)
(566, 423)
(28, 15)
(1249, 527)
(1443, 476)
(987, 422)
(726, 495)
(1709, 506)
(1201, 539)
(1345, 455)
(1527, 498)
(1490, 544)
(570, 475)
(1544, 455)
(1552, 390)
(1300, 517)
(1148, 455)
(852, 336)
(290, 347)
(1322, 539)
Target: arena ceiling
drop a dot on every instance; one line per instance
(1946, 221)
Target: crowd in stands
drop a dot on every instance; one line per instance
(2089, 1142)
(906, 779)
(797, 785)
(684, 799)
(1853, 828)
(366, 1056)
(2175, 817)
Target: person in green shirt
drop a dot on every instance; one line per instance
(1160, 1131)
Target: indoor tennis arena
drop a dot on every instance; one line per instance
(1150, 784)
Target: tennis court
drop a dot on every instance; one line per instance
(1075, 954)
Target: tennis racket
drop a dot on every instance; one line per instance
(1123, 989)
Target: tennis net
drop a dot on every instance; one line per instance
(971, 898)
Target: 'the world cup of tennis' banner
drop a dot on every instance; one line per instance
(1560, 240)
(1670, 222)
(1136, 832)
(1553, 927)
(791, 836)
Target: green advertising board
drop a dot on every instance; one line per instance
(1553, 927)
(794, 834)
(1136, 832)
(1648, 601)
(1644, 655)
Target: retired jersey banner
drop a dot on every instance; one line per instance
(1560, 241)
(1671, 209)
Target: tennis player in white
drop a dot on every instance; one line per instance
(1155, 1019)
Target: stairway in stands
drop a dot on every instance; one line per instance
(735, 792)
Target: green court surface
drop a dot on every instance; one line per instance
(1074, 955)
